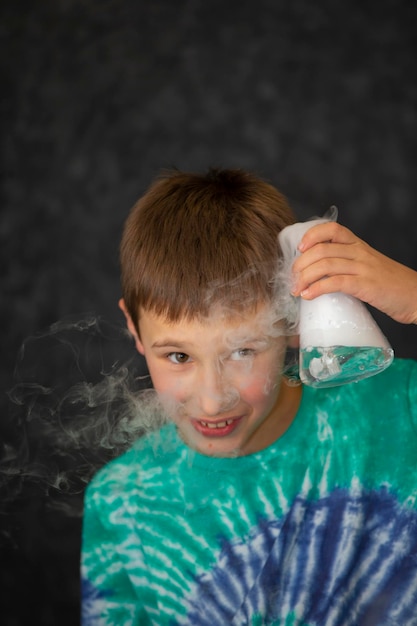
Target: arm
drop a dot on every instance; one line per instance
(334, 259)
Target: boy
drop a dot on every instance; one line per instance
(259, 502)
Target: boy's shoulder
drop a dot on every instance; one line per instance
(400, 377)
(385, 402)
(401, 366)
(148, 456)
(398, 381)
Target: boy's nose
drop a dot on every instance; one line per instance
(215, 395)
(211, 404)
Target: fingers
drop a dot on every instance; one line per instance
(325, 260)
(326, 252)
(327, 232)
(334, 259)
(331, 284)
(326, 275)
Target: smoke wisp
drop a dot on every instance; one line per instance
(81, 396)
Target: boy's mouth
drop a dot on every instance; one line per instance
(221, 428)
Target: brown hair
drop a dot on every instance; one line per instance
(197, 239)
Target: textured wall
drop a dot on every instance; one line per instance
(97, 97)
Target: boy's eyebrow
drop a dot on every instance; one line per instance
(254, 341)
(166, 343)
(169, 342)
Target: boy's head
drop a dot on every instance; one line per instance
(193, 241)
(199, 260)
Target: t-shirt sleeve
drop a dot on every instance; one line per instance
(108, 596)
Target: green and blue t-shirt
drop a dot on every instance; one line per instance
(320, 528)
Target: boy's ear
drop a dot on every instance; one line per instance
(294, 341)
(131, 327)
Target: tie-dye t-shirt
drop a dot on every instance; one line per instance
(320, 528)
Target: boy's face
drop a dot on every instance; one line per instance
(220, 380)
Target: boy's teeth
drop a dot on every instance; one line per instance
(218, 425)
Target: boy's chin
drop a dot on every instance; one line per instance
(214, 449)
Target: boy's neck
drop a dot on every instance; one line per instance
(285, 411)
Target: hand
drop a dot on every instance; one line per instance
(334, 259)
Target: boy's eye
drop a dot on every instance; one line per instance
(242, 353)
(178, 357)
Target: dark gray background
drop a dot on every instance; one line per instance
(98, 96)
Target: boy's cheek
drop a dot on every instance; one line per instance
(261, 383)
(171, 405)
(257, 392)
(172, 392)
